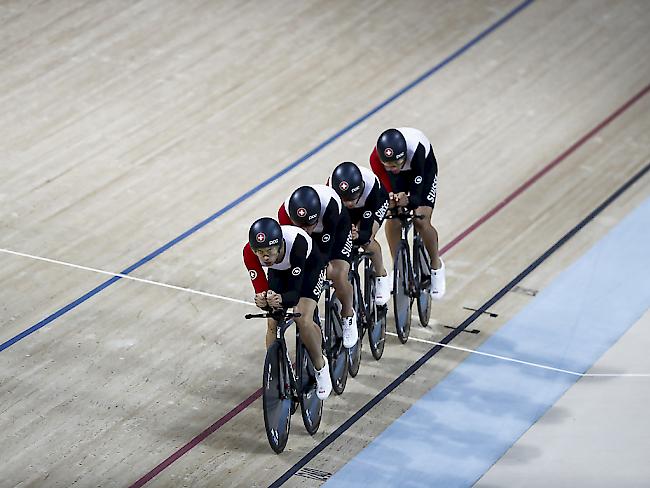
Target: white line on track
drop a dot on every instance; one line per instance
(126, 277)
(235, 300)
(504, 358)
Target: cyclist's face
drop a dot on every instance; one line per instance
(349, 203)
(394, 166)
(268, 255)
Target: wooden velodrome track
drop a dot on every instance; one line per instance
(125, 124)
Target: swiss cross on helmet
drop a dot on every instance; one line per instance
(265, 232)
(391, 146)
(347, 181)
(304, 206)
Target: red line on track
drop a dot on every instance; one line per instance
(527, 184)
(544, 170)
(213, 428)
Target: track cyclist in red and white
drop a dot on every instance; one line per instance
(318, 210)
(367, 202)
(294, 280)
(404, 162)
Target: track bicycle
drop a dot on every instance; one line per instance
(337, 354)
(370, 316)
(283, 388)
(411, 275)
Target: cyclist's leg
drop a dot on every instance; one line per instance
(338, 269)
(427, 231)
(374, 248)
(311, 337)
(310, 333)
(393, 232)
(430, 238)
(271, 332)
(311, 288)
(383, 282)
(429, 234)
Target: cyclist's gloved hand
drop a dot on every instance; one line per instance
(355, 232)
(274, 299)
(260, 300)
(401, 199)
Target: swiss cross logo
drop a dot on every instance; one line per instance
(301, 212)
(261, 237)
(344, 185)
(388, 152)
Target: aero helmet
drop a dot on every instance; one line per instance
(391, 146)
(347, 181)
(304, 206)
(265, 232)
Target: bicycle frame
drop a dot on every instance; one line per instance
(291, 385)
(406, 219)
(358, 258)
(328, 328)
(332, 331)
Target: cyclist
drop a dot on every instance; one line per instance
(367, 202)
(317, 209)
(404, 162)
(294, 280)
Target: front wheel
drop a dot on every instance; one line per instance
(401, 296)
(276, 398)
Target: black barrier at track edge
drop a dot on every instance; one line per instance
(447, 339)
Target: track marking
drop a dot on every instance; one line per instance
(126, 277)
(535, 365)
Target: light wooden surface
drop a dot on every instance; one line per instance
(124, 124)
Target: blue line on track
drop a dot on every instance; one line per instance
(269, 180)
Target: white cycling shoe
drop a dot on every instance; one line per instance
(438, 282)
(350, 331)
(323, 381)
(383, 289)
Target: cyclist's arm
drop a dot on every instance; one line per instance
(283, 216)
(331, 219)
(367, 217)
(418, 168)
(255, 270)
(380, 171)
(297, 260)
